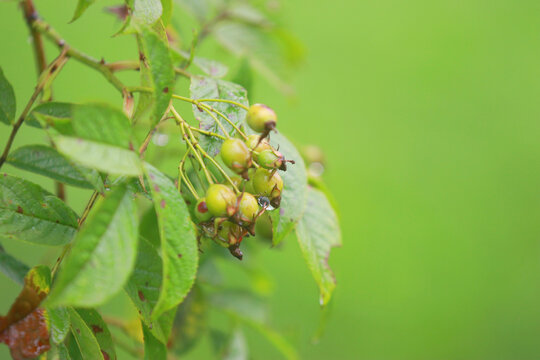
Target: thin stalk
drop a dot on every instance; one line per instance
(180, 121)
(209, 108)
(184, 177)
(205, 154)
(45, 29)
(207, 133)
(225, 101)
(39, 87)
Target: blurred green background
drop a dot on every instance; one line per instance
(429, 116)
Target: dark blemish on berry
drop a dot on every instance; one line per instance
(19, 209)
(162, 203)
(166, 90)
(96, 329)
(141, 296)
(202, 208)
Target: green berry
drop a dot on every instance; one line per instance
(201, 210)
(267, 183)
(248, 207)
(220, 199)
(263, 227)
(261, 118)
(237, 181)
(270, 159)
(257, 146)
(236, 155)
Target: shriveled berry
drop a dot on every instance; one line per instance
(220, 200)
(267, 183)
(229, 233)
(201, 210)
(271, 159)
(261, 118)
(248, 207)
(236, 155)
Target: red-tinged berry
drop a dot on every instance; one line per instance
(261, 118)
(201, 210)
(236, 155)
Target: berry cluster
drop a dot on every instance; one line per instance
(228, 212)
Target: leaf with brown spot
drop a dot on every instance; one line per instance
(24, 328)
(92, 335)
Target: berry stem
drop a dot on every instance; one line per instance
(207, 133)
(183, 176)
(208, 108)
(225, 101)
(183, 124)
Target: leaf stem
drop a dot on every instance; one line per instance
(207, 133)
(226, 101)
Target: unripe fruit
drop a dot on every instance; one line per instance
(263, 227)
(237, 181)
(236, 155)
(267, 183)
(261, 118)
(220, 199)
(257, 146)
(270, 159)
(229, 233)
(201, 210)
(248, 207)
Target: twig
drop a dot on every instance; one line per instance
(43, 80)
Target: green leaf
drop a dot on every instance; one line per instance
(103, 140)
(209, 88)
(199, 8)
(59, 324)
(106, 158)
(102, 123)
(166, 15)
(318, 231)
(143, 288)
(12, 268)
(158, 60)
(57, 115)
(100, 331)
(82, 5)
(293, 198)
(29, 213)
(7, 100)
(45, 160)
(258, 46)
(58, 352)
(251, 310)
(102, 255)
(212, 68)
(153, 348)
(190, 322)
(85, 340)
(179, 249)
(145, 14)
